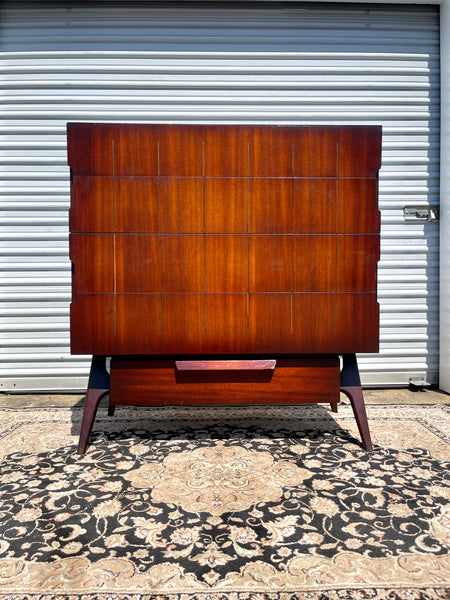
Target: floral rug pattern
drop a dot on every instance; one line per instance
(216, 504)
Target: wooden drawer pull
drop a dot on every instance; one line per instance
(225, 365)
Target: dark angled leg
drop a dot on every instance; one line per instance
(98, 386)
(334, 407)
(111, 410)
(351, 387)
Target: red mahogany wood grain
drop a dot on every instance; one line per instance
(230, 215)
(225, 365)
(226, 248)
(158, 382)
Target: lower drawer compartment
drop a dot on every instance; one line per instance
(146, 381)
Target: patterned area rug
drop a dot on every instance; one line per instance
(254, 503)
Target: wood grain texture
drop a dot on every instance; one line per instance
(182, 263)
(226, 205)
(92, 324)
(233, 324)
(181, 205)
(226, 324)
(135, 150)
(223, 239)
(266, 331)
(314, 263)
(314, 322)
(226, 264)
(154, 382)
(137, 324)
(270, 205)
(225, 365)
(244, 375)
(92, 205)
(315, 202)
(182, 323)
(226, 150)
(270, 153)
(357, 211)
(137, 263)
(136, 205)
(359, 151)
(270, 263)
(315, 151)
(90, 148)
(357, 257)
(357, 322)
(181, 152)
(92, 256)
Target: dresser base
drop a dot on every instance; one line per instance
(169, 382)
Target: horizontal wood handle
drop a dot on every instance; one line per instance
(225, 365)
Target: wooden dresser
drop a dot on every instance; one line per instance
(223, 263)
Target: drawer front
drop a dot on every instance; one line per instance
(224, 239)
(163, 382)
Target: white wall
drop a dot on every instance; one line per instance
(444, 296)
(46, 111)
(444, 357)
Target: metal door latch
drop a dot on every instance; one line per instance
(419, 382)
(427, 214)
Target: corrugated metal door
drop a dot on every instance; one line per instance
(213, 64)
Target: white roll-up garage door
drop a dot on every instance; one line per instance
(211, 63)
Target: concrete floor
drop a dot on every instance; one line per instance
(372, 396)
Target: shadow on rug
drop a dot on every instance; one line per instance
(216, 504)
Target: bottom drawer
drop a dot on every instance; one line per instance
(142, 381)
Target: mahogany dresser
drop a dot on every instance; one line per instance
(223, 264)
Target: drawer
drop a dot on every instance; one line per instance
(146, 381)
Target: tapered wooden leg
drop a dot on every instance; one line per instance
(351, 387)
(111, 410)
(98, 386)
(334, 407)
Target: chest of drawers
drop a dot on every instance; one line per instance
(227, 262)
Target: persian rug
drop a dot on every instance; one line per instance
(226, 503)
